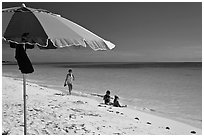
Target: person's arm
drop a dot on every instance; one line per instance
(73, 77)
(65, 82)
(104, 97)
(118, 104)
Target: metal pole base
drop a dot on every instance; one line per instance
(24, 99)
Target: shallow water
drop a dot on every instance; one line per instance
(173, 91)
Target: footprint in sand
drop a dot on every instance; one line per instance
(38, 109)
(149, 123)
(51, 100)
(137, 118)
(6, 132)
(79, 102)
(101, 105)
(72, 116)
(76, 110)
(59, 94)
(193, 132)
(110, 110)
(117, 133)
(168, 128)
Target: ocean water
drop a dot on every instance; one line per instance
(172, 90)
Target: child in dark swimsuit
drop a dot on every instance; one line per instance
(107, 98)
(116, 102)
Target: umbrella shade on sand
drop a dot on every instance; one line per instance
(25, 27)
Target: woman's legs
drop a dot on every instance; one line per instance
(70, 88)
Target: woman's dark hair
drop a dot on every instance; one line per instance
(107, 92)
(69, 70)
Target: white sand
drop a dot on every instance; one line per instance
(48, 112)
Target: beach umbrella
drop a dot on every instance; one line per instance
(24, 27)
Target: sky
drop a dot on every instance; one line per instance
(141, 31)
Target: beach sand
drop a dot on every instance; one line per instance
(51, 113)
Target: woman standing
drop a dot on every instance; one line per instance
(69, 80)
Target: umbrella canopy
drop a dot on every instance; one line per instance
(47, 30)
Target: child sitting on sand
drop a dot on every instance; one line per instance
(107, 98)
(116, 102)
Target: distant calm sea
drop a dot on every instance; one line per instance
(172, 90)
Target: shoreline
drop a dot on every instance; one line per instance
(181, 109)
(98, 97)
(84, 114)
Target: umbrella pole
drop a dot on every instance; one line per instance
(24, 99)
